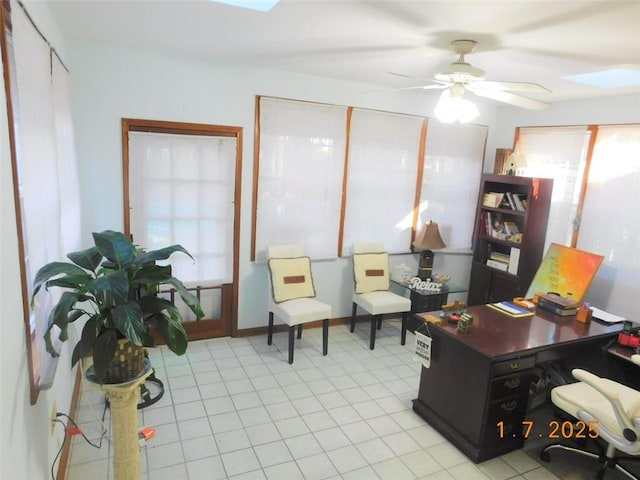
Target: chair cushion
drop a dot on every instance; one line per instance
(291, 278)
(382, 302)
(301, 310)
(371, 272)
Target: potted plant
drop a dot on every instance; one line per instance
(114, 286)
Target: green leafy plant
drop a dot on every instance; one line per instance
(113, 285)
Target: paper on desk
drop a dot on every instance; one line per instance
(605, 316)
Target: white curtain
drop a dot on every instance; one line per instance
(48, 184)
(181, 191)
(381, 182)
(451, 180)
(301, 167)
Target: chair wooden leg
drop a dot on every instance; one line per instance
(299, 331)
(291, 343)
(403, 334)
(379, 322)
(372, 337)
(270, 330)
(325, 336)
(354, 309)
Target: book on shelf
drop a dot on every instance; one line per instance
(518, 202)
(514, 260)
(492, 199)
(504, 266)
(512, 204)
(499, 257)
(510, 309)
(510, 228)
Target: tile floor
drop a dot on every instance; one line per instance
(233, 408)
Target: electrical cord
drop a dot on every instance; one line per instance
(66, 433)
(53, 477)
(99, 445)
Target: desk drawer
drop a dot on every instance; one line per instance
(510, 385)
(512, 366)
(510, 411)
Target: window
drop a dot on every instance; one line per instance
(450, 183)
(381, 181)
(46, 190)
(181, 191)
(609, 223)
(559, 153)
(299, 182)
(329, 176)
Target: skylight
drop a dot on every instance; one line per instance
(612, 78)
(260, 5)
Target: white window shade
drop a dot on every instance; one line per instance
(559, 153)
(300, 169)
(381, 184)
(451, 179)
(609, 223)
(47, 175)
(181, 190)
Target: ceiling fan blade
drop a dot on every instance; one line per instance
(512, 86)
(416, 87)
(510, 98)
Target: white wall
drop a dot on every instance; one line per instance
(26, 446)
(111, 83)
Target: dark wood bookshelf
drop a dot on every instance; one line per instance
(492, 279)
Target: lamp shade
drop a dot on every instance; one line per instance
(429, 237)
(453, 107)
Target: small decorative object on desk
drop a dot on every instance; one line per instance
(453, 311)
(440, 278)
(584, 313)
(425, 285)
(401, 273)
(627, 338)
(464, 324)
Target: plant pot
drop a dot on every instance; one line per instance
(127, 363)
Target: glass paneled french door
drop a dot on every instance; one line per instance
(181, 188)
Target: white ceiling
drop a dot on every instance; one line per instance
(361, 40)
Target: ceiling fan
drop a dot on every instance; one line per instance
(461, 76)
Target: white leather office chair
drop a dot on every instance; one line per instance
(292, 293)
(613, 409)
(371, 289)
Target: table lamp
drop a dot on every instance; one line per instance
(429, 239)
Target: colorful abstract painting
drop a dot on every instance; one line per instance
(565, 271)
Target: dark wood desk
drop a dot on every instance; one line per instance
(481, 378)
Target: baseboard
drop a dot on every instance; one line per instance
(65, 456)
(278, 328)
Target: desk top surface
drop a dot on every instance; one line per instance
(495, 334)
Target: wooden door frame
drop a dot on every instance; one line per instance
(229, 302)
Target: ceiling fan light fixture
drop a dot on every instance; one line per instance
(454, 107)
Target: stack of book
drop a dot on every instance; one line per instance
(558, 305)
(498, 260)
